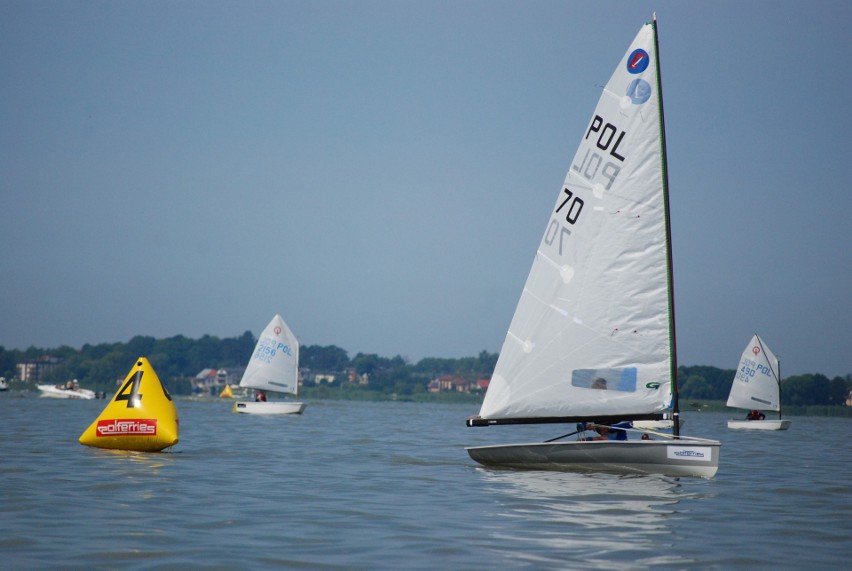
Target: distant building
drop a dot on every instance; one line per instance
(321, 378)
(449, 383)
(354, 378)
(34, 371)
(213, 380)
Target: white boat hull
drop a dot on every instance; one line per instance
(778, 424)
(682, 457)
(269, 407)
(51, 391)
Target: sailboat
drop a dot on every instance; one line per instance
(757, 387)
(593, 335)
(274, 367)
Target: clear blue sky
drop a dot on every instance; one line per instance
(380, 173)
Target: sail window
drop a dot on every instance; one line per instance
(623, 379)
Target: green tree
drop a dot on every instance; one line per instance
(8, 362)
(317, 358)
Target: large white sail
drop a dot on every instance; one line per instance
(756, 383)
(596, 308)
(274, 364)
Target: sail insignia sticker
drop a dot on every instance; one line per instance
(639, 91)
(638, 61)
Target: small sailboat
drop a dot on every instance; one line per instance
(757, 387)
(593, 335)
(274, 367)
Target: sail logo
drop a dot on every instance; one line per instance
(128, 427)
(638, 61)
(639, 91)
(698, 453)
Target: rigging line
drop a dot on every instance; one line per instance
(563, 436)
(669, 256)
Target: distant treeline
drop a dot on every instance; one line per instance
(178, 359)
(709, 383)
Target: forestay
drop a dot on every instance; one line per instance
(274, 365)
(596, 310)
(756, 382)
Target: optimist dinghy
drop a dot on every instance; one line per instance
(274, 366)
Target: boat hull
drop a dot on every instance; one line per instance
(269, 407)
(51, 391)
(777, 424)
(670, 458)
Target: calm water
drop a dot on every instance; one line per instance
(389, 486)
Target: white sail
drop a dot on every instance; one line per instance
(597, 302)
(756, 383)
(274, 364)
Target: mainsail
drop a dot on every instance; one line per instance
(593, 332)
(274, 364)
(757, 381)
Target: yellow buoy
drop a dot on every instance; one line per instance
(141, 416)
(227, 393)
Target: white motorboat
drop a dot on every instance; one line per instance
(70, 390)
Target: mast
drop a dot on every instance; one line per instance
(779, 389)
(776, 374)
(669, 259)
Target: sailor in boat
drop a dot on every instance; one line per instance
(69, 386)
(260, 397)
(599, 383)
(755, 415)
(605, 432)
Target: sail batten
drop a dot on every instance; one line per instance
(596, 311)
